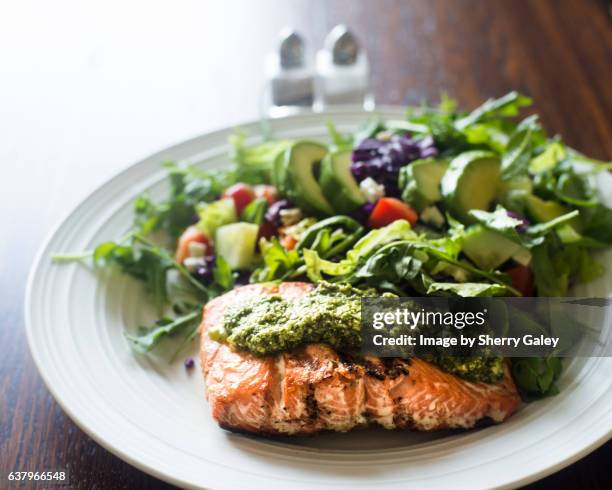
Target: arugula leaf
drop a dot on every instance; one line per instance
(553, 153)
(149, 263)
(498, 220)
(542, 228)
(517, 155)
(368, 129)
(165, 327)
(506, 106)
(189, 186)
(533, 235)
(146, 264)
(339, 141)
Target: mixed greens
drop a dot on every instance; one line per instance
(442, 202)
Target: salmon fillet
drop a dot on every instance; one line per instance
(314, 388)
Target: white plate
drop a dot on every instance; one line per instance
(154, 416)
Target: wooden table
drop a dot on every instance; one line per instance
(86, 90)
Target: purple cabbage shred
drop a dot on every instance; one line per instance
(382, 159)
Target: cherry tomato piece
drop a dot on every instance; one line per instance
(389, 209)
(522, 279)
(242, 194)
(267, 192)
(191, 234)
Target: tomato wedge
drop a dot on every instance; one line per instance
(389, 209)
(522, 279)
(242, 194)
(191, 234)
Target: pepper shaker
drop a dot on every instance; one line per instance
(289, 74)
(342, 71)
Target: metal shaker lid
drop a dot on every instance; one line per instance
(291, 49)
(342, 45)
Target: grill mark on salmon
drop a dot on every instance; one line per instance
(315, 389)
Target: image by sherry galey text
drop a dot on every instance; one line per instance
(509, 327)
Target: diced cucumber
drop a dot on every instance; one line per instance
(298, 180)
(420, 182)
(338, 184)
(470, 183)
(236, 244)
(489, 249)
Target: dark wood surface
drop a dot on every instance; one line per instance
(557, 51)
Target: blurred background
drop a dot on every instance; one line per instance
(87, 88)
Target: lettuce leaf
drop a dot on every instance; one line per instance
(216, 214)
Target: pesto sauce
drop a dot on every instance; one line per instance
(479, 369)
(329, 314)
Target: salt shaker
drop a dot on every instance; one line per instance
(289, 73)
(342, 71)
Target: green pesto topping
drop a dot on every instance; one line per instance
(329, 314)
(266, 325)
(482, 369)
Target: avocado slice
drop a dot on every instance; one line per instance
(420, 182)
(489, 249)
(470, 183)
(542, 211)
(295, 175)
(338, 184)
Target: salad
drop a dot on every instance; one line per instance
(442, 202)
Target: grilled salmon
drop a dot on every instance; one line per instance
(316, 389)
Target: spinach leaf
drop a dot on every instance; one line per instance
(598, 224)
(555, 265)
(536, 376)
(331, 236)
